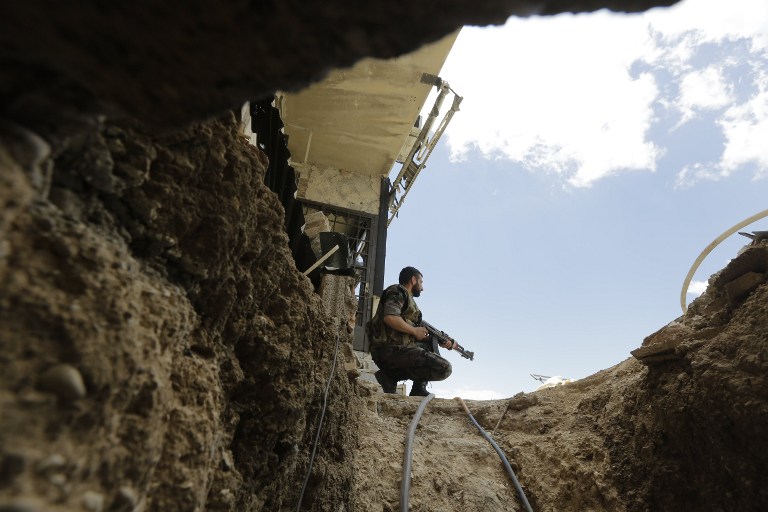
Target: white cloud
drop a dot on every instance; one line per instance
(697, 172)
(467, 394)
(571, 109)
(697, 288)
(746, 131)
(556, 94)
(714, 21)
(703, 89)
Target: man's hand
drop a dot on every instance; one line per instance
(399, 324)
(450, 344)
(420, 333)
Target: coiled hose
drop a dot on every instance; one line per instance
(405, 485)
(511, 473)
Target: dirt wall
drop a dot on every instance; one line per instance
(158, 272)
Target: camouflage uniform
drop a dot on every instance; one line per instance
(398, 353)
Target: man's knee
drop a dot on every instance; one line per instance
(443, 371)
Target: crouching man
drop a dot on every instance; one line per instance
(399, 348)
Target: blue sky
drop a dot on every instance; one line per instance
(588, 168)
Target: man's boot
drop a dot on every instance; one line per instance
(419, 388)
(387, 383)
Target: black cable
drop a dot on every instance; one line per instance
(405, 484)
(319, 425)
(507, 466)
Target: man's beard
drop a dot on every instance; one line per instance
(416, 292)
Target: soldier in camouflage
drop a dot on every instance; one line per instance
(399, 346)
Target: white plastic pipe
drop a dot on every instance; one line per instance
(709, 249)
(321, 260)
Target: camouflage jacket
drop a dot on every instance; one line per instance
(395, 300)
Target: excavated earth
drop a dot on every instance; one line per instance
(159, 350)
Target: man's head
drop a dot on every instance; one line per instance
(412, 279)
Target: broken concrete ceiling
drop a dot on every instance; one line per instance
(357, 119)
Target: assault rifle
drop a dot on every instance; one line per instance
(441, 338)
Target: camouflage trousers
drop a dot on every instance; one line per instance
(413, 362)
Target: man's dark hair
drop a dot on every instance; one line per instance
(407, 273)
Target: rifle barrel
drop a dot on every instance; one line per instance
(444, 338)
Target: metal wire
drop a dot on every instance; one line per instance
(319, 425)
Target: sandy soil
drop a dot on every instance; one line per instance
(552, 449)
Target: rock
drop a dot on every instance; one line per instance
(93, 501)
(126, 500)
(64, 381)
(226, 460)
(522, 401)
(32, 152)
(58, 479)
(743, 286)
(660, 346)
(51, 463)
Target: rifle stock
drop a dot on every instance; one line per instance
(441, 338)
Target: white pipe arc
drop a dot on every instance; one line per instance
(708, 249)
